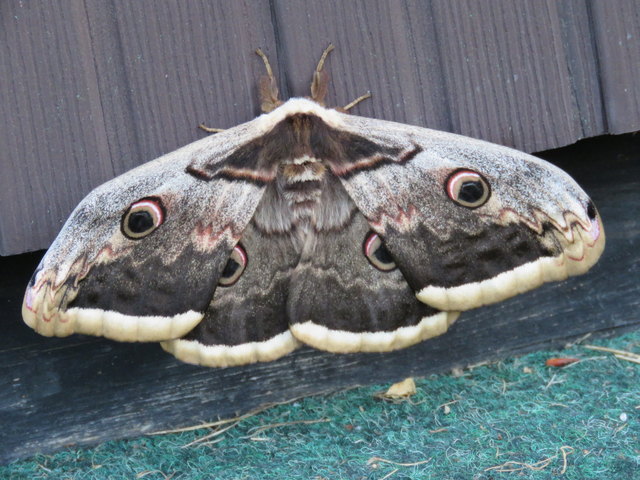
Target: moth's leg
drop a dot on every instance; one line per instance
(320, 82)
(353, 103)
(269, 100)
(202, 126)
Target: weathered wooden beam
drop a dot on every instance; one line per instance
(81, 390)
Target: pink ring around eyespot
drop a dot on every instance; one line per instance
(153, 205)
(242, 253)
(452, 181)
(367, 244)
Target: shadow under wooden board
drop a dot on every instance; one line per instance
(81, 390)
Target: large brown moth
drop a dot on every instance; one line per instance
(310, 225)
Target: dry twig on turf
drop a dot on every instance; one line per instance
(620, 354)
(375, 460)
(513, 466)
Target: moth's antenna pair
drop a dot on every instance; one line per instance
(319, 84)
(269, 95)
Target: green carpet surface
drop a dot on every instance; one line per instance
(514, 419)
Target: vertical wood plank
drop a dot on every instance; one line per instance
(506, 73)
(178, 64)
(617, 35)
(47, 133)
(98, 87)
(375, 52)
(92, 88)
(582, 62)
(495, 70)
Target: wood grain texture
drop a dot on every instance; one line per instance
(92, 88)
(377, 56)
(48, 144)
(98, 87)
(582, 63)
(521, 74)
(513, 67)
(178, 64)
(78, 390)
(616, 35)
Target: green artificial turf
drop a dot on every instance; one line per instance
(518, 410)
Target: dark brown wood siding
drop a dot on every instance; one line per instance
(92, 88)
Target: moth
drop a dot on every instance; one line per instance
(309, 225)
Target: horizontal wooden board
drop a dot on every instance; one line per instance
(81, 390)
(92, 88)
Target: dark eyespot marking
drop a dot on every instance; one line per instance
(591, 210)
(142, 218)
(468, 188)
(377, 253)
(234, 268)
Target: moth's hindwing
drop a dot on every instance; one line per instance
(246, 322)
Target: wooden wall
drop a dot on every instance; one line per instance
(92, 88)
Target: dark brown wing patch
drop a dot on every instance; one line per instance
(340, 302)
(297, 136)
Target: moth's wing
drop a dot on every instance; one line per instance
(537, 225)
(246, 322)
(341, 303)
(95, 280)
